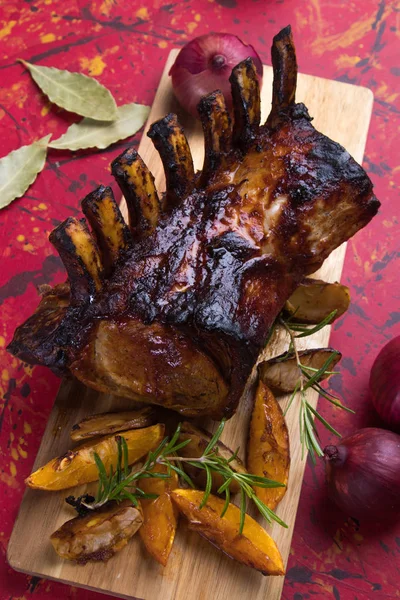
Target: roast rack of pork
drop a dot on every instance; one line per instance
(174, 307)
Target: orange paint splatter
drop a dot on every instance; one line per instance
(329, 43)
(22, 452)
(142, 13)
(106, 7)
(47, 38)
(95, 66)
(345, 61)
(191, 26)
(6, 30)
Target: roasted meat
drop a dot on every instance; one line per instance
(174, 308)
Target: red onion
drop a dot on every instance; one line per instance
(363, 474)
(384, 383)
(205, 64)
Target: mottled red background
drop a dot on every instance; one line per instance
(125, 45)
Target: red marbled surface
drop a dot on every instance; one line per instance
(125, 45)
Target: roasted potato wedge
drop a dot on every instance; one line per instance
(254, 547)
(98, 535)
(160, 516)
(281, 373)
(199, 441)
(107, 423)
(268, 453)
(315, 299)
(78, 466)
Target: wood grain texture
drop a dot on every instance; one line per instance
(195, 569)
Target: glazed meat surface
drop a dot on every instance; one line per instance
(174, 308)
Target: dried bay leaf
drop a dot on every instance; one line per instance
(75, 92)
(20, 168)
(89, 133)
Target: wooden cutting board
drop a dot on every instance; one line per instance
(196, 570)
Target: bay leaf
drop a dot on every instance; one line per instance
(20, 168)
(75, 92)
(89, 133)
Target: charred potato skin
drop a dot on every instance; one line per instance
(254, 547)
(98, 535)
(199, 441)
(313, 300)
(270, 370)
(109, 423)
(160, 516)
(268, 453)
(78, 466)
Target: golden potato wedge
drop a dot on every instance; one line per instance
(268, 453)
(107, 423)
(315, 299)
(78, 466)
(199, 441)
(254, 547)
(160, 516)
(281, 373)
(99, 534)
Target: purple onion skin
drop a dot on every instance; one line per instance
(384, 383)
(363, 474)
(205, 64)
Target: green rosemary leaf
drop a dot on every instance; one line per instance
(225, 485)
(183, 475)
(340, 405)
(306, 368)
(306, 332)
(158, 451)
(292, 397)
(302, 428)
(311, 435)
(215, 438)
(265, 483)
(258, 480)
(174, 439)
(242, 510)
(126, 459)
(323, 421)
(317, 376)
(131, 497)
(102, 476)
(177, 447)
(118, 471)
(234, 455)
(207, 490)
(332, 399)
(267, 513)
(144, 495)
(227, 500)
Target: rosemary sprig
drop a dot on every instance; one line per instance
(124, 483)
(309, 378)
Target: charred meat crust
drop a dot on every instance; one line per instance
(194, 285)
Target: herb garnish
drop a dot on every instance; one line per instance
(123, 483)
(310, 377)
